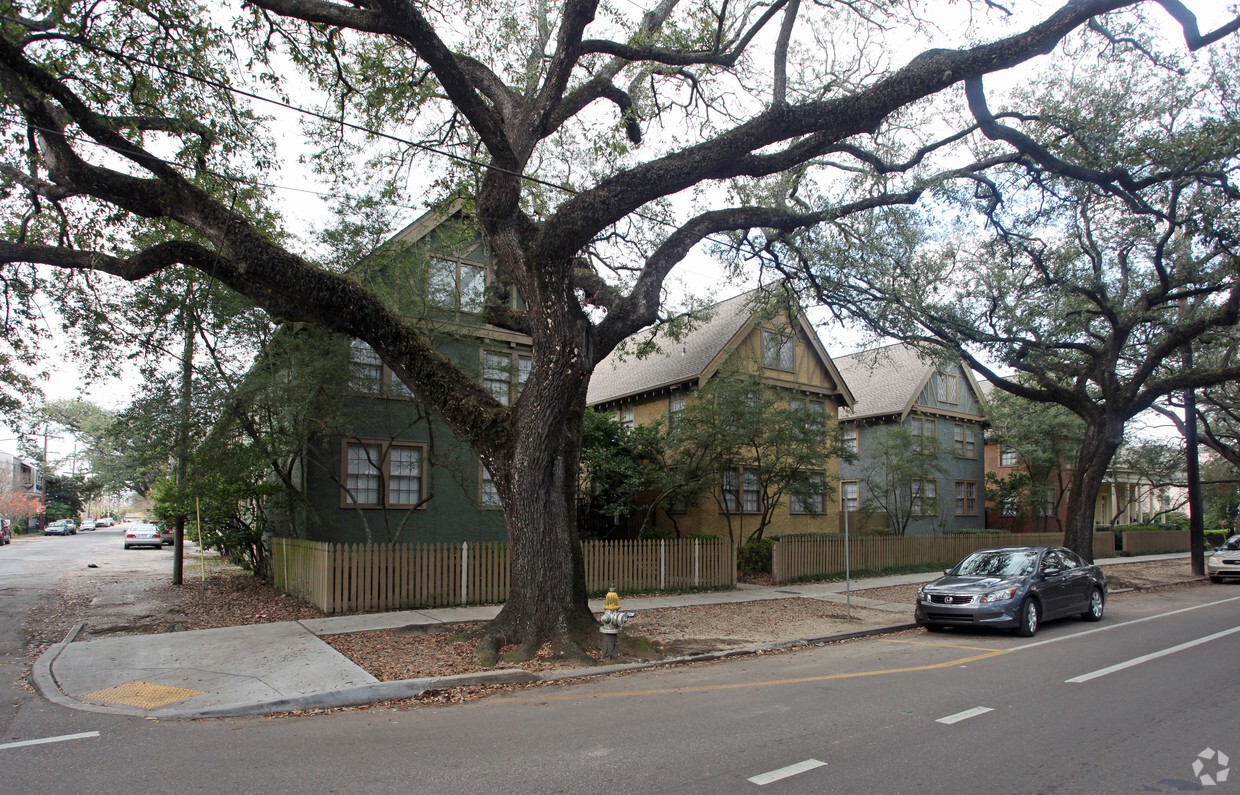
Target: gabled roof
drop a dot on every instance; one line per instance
(888, 380)
(694, 358)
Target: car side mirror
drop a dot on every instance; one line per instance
(1051, 572)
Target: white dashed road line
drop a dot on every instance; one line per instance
(763, 779)
(1151, 656)
(968, 713)
(62, 738)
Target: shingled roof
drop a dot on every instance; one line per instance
(884, 380)
(691, 360)
(623, 374)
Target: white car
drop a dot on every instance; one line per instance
(1225, 562)
(143, 535)
(88, 524)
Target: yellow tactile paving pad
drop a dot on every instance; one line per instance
(143, 695)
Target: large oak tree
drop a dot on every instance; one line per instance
(599, 146)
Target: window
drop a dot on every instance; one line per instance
(811, 415)
(924, 433)
(365, 367)
(925, 497)
(490, 494)
(1047, 508)
(740, 491)
(504, 374)
(379, 474)
(966, 441)
(624, 415)
(1007, 457)
(850, 495)
(457, 285)
(810, 501)
(966, 498)
(949, 388)
(778, 350)
(675, 405)
(1010, 506)
(369, 375)
(850, 438)
(363, 474)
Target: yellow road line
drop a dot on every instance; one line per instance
(823, 678)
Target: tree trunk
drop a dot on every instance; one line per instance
(1102, 438)
(537, 482)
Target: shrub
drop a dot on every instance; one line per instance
(755, 556)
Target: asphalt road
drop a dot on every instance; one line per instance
(914, 712)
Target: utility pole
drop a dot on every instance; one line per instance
(187, 372)
(1196, 522)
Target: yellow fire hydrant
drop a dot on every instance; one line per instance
(612, 622)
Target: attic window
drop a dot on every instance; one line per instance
(457, 285)
(778, 350)
(949, 388)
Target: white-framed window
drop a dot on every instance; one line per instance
(624, 415)
(1007, 456)
(365, 368)
(965, 437)
(1010, 507)
(925, 497)
(490, 494)
(811, 501)
(383, 474)
(456, 284)
(850, 495)
(925, 434)
(779, 350)
(966, 498)
(851, 442)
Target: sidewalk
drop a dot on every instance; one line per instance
(263, 668)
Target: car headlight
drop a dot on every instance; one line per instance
(1000, 595)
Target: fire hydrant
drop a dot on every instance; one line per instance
(613, 621)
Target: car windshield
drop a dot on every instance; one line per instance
(1003, 563)
(1232, 544)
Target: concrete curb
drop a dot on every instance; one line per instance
(408, 688)
(41, 672)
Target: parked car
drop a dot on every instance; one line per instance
(168, 533)
(143, 535)
(60, 527)
(88, 524)
(104, 521)
(6, 531)
(1013, 588)
(1225, 561)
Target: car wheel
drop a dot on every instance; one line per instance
(1030, 614)
(1096, 606)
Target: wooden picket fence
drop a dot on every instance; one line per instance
(796, 558)
(340, 578)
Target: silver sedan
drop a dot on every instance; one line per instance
(143, 535)
(1225, 561)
